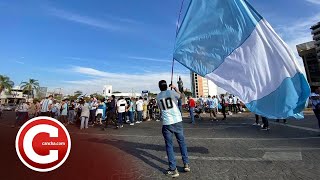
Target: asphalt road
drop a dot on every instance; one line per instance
(232, 149)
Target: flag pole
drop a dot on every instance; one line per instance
(177, 30)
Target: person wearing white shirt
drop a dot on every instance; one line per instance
(216, 102)
(121, 108)
(230, 102)
(93, 105)
(22, 114)
(139, 104)
(234, 105)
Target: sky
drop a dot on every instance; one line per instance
(83, 45)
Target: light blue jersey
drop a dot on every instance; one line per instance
(168, 103)
(64, 109)
(211, 103)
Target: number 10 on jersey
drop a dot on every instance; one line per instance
(166, 104)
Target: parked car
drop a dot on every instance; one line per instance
(9, 107)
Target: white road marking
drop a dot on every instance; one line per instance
(286, 149)
(268, 156)
(198, 138)
(296, 127)
(283, 156)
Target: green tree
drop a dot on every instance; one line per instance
(78, 93)
(98, 96)
(30, 86)
(188, 93)
(152, 95)
(5, 83)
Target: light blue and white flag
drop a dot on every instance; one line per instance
(230, 43)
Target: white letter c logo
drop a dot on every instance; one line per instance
(27, 144)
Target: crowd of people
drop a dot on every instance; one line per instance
(214, 105)
(91, 112)
(117, 112)
(167, 107)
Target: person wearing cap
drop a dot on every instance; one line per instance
(172, 125)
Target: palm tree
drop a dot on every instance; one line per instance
(29, 86)
(5, 83)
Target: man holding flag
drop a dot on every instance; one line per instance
(172, 125)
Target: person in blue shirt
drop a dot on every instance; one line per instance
(212, 106)
(172, 125)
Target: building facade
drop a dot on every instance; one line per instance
(201, 86)
(14, 97)
(316, 37)
(308, 53)
(107, 90)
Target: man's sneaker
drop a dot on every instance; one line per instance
(157, 120)
(173, 173)
(127, 121)
(149, 120)
(138, 122)
(187, 168)
(264, 129)
(121, 126)
(131, 124)
(214, 118)
(256, 124)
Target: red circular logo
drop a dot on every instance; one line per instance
(43, 144)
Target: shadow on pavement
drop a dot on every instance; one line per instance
(138, 150)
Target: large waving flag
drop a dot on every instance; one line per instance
(229, 42)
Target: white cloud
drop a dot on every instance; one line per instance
(19, 62)
(86, 20)
(314, 1)
(298, 32)
(123, 82)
